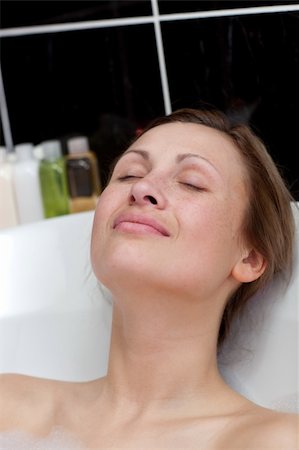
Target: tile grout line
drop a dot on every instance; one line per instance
(161, 58)
(94, 24)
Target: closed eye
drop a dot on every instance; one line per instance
(192, 187)
(127, 177)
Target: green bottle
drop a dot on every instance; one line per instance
(53, 180)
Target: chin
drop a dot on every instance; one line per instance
(115, 261)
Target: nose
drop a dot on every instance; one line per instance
(146, 192)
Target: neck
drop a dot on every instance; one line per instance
(163, 350)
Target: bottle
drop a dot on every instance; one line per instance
(8, 208)
(53, 180)
(27, 186)
(38, 152)
(83, 177)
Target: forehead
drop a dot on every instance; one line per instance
(171, 139)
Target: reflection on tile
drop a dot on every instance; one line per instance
(25, 13)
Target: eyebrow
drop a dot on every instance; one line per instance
(183, 156)
(143, 153)
(179, 158)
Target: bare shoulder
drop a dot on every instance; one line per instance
(282, 429)
(34, 404)
(262, 428)
(14, 386)
(25, 402)
(17, 386)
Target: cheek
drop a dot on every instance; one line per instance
(99, 221)
(205, 220)
(108, 202)
(104, 249)
(104, 201)
(210, 228)
(101, 224)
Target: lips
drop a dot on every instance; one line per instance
(139, 224)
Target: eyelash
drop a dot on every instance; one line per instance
(127, 177)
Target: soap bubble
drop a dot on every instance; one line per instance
(58, 439)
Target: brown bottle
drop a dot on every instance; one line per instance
(82, 174)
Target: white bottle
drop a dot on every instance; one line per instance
(27, 185)
(8, 209)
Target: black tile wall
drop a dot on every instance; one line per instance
(102, 83)
(246, 66)
(105, 83)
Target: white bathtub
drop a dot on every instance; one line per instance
(55, 322)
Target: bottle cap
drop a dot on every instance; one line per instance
(24, 151)
(78, 145)
(51, 149)
(38, 152)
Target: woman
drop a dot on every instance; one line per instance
(194, 220)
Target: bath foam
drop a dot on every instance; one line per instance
(58, 439)
(287, 404)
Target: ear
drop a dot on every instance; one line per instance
(250, 267)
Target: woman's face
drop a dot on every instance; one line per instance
(171, 215)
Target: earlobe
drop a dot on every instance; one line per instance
(250, 267)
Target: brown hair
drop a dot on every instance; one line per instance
(268, 223)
